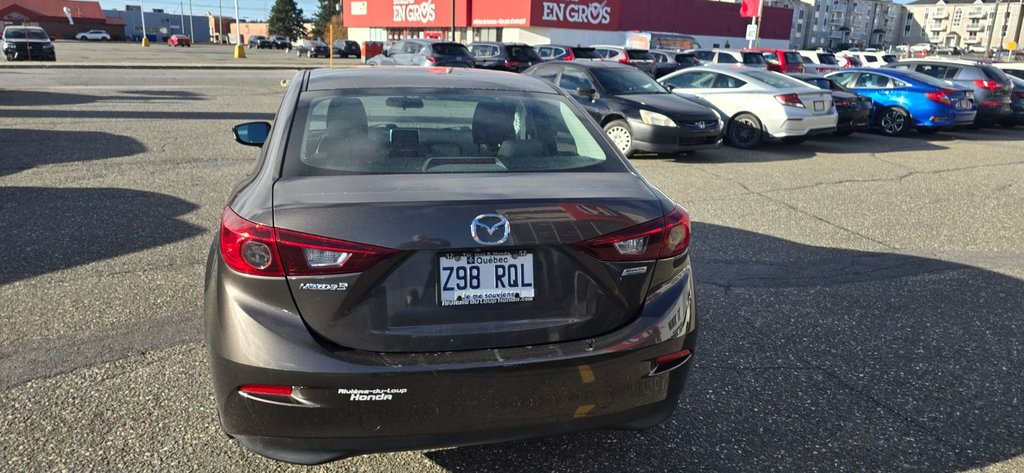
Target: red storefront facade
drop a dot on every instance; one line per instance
(559, 21)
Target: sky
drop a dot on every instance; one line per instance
(248, 9)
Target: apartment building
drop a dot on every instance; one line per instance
(974, 24)
(844, 23)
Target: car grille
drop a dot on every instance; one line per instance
(699, 124)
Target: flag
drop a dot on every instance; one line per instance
(749, 8)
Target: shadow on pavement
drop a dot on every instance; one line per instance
(50, 229)
(25, 149)
(135, 115)
(30, 98)
(821, 359)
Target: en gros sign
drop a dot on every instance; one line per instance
(585, 14)
(414, 11)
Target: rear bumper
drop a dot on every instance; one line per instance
(678, 139)
(853, 120)
(427, 400)
(992, 114)
(801, 123)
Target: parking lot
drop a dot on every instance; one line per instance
(860, 297)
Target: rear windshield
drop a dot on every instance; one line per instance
(639, 55)
(994, 74)
(819, 82)
(687, 59)
(753, 58)
(793, 58)
(774, 79)
(585, 53)
(627, 81)
(21, 33)
(889, 58)
(825, 58)
(415, 131)
(522, 53)
(450, 49)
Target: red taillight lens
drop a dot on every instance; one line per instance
(252, 248)
(431, 59)
(940, 96)
(303, 254)
(663, 237)
(248, 247)
(271, 389)
(624, 60)
(986, 84)
(792, 100)
(1020, 95)
(843, 102)
(511, 63)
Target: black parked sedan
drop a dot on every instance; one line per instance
(439, 257)
(854, 110)
(511, 57)
(637, 113)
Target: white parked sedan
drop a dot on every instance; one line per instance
(95, 35)
(757, 105)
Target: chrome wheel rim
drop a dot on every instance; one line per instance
(893, 122)
(620, 136)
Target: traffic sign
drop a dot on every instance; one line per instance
(751, 32)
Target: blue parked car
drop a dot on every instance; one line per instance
(906, 99)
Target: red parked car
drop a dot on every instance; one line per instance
(179, 40)
(782, 60)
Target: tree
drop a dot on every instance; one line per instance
(326, 9)
(286, 19)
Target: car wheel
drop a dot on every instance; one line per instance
(893, 122)
(794, 140)
(928, 130)
(621, 135)
(745, 131)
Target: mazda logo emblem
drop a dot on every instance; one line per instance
(495, 226)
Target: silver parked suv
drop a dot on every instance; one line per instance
(992, 88)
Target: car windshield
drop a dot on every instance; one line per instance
(792, 58)
(22, 33)
(830, 59)
(522, 53)
(627, 81)
(774, 79)
(753, 59)
(417, 131)
(451, 49)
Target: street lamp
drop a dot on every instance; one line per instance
(142, 13)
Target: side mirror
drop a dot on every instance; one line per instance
(670, 87)
(386, 53)
(587, 92)
(252, 133)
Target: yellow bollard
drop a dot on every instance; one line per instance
(145, 41)
(239, 52)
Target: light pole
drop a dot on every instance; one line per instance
(992, 30)
(239, 50)
(191, 25)
(142, 13)
(453, 21)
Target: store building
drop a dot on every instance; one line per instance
(51, 16)
(970, 24)
(160, 25)
(560, 21)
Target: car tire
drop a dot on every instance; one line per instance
(621, 135)
(745, 131)
(794, 140)
(893, 122)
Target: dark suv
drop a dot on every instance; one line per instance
(667, 62)
(424, 52)
(512, 57)
(259, 42)
(992, 88)
(347, 48)
(27, 43)
(280, 42)
(551, 52)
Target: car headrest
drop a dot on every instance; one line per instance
(493, 123)
(346, 116)
(521, 149)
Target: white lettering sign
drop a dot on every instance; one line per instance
(593, 13)
(413, 11)
(358, 8)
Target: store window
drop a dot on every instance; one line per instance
(487, 34)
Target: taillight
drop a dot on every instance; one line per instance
(624, 60)
(261, 250)
(843, 102)
(267, 389)
(792, 100)
(248, 247)
(663, 237)
(1020, 95)
(986, 84)
(431, 59)
(511, 63)
(941, 96)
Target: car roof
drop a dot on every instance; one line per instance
(806, 76)
(961, 62)
(597, 65)
(449, 78)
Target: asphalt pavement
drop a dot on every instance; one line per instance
(860, 298)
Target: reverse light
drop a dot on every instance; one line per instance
(941, 96)
(790, 100)
(655, 118)
(663, 237)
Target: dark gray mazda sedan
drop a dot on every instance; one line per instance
(434, 257)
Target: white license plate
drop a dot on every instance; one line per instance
(486, 278)
(819, 105)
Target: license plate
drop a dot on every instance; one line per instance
(486, 278)
(819, 105)
(963, 104)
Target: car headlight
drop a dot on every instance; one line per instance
(655, 118)
(47, 45)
